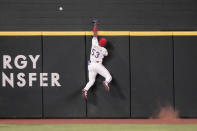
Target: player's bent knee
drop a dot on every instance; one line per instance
(109, 78)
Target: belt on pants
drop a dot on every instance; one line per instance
(95, 61)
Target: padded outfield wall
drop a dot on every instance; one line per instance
(150, 70)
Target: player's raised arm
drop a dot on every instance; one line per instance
(95, 29)
(95, 39)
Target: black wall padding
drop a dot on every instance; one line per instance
(151, 75)
(65, 55)
(185, 73)
(115, 103)
(149, 72)
(113, 14)
(21, 102)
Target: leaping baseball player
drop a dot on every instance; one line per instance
(95, 66)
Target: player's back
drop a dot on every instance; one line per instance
(97, 52)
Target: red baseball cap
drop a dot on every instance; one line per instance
(102, 42)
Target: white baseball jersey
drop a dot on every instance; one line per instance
(97, 52)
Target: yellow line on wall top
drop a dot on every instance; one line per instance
(185, 33)
(20, 33)
(64, 33)
(101, 33)
(153, 33)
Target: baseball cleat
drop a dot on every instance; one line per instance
(84, 94)
(105, 83)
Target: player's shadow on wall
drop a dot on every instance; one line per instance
(116, 90)
(109, 46)
(98, 90)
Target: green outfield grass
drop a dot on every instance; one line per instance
(99, 127)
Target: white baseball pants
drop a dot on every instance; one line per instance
(94, 69)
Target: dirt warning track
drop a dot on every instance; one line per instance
(98, 121)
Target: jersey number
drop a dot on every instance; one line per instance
(95, 53)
